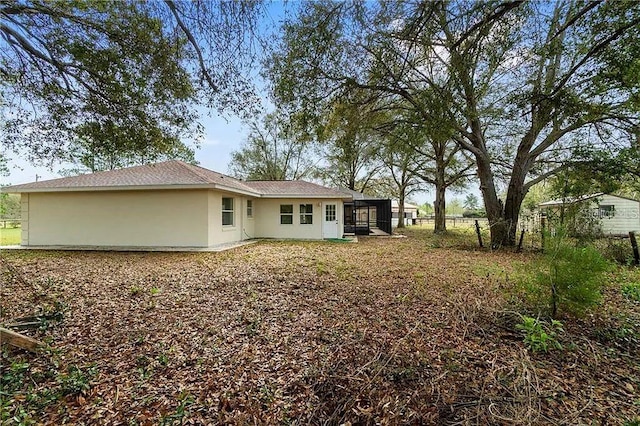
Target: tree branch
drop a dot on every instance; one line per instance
(498, 13)
(194, 43)
(544, 176)
(591, 53)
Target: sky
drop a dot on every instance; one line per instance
(222, 136)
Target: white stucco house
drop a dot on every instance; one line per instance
(615, 215)
(173, 205)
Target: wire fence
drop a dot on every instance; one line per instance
(10, 223)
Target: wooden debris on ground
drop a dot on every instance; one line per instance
(19, 340)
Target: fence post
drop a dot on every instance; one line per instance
(478, 233)
(543, 225)
(634, 246)
(520, 242)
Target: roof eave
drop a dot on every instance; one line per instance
(18, 190)
(314, 196)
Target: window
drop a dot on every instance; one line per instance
(227, 211)
(286, 214)
(249, 208)
(607, 210)
(330, 213)
(306, 214)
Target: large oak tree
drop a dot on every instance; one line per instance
(523, 83)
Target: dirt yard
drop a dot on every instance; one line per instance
(415, 330)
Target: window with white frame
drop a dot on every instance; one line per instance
(286, 214)
(249, 208)
(306, 214)
(227, 211)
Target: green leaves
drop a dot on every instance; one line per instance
(138, 67)
(540, 336)
(567, 277)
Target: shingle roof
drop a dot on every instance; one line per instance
(396, 204)
(168, 173)
(573, 200)
(570, 200)
(359, 195)
(282, 188)
(176, 174)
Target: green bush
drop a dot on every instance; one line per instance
(474, 213)
(566, 277)
(539, 335)
(616, 250)
(632, 291)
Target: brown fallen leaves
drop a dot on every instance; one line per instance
(387, 331)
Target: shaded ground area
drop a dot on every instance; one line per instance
(390, 330)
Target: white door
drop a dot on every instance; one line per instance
(330, 221)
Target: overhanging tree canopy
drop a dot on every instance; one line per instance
(138, 67)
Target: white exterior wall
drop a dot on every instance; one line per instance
(219, 234)
(160, 218)
(164, 218)
(249, 222)
(408, 221)
(267, 218)
(626, 217)
(24, 219)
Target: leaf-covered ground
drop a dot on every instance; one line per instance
(415, 330)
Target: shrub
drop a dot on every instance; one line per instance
(539, 335)
(616, 250)
(474, 213)
(632, 291)
(568, 277)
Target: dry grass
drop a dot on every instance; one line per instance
(410, 330)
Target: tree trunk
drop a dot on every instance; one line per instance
(439, 209)
(493, 205)
(513, 204)
(401, 210)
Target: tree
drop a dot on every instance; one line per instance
(430, 154)
(425, 210)
(9, 206)
(455, 207)
(400, 164)
(9, 203)
(523, 83)
(448, 167)
(275, 150)
(330, 71)
(138, 68)
(556, 100)
(399, 158)
(471, 202)
(106, 146)
(350, 145)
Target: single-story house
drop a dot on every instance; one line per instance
(173, 205)
(410, 213)
(366, 214)
(615, 215)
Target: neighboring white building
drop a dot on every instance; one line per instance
(616, 215)
(410, 213)
(173, 205)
